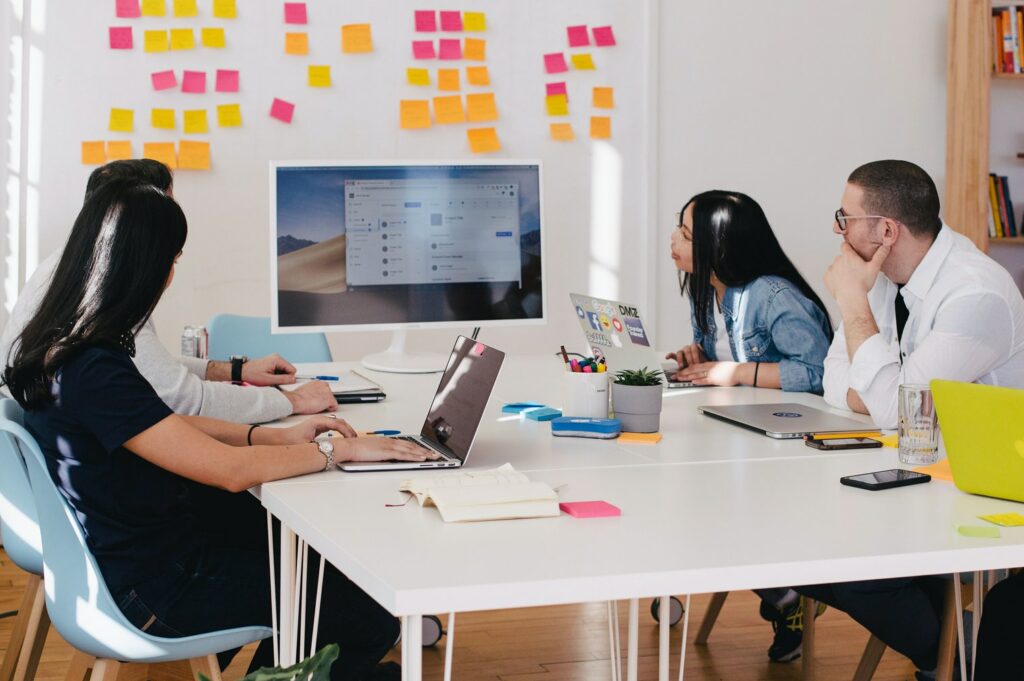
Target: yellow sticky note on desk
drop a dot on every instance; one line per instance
(481, 108)
(474, 49)
(978, 531)
(225, 9)
(182, 39)
(122, 120)
(557, 105)
(478, 75)
(562, 132)
(604, 98)
(213, 37)
(119, 150)
(154, 8)
(194, 155)
(195, 121)
(474, 21)
(449, 110)
(448, 80)
(161, 151)
(1005, 519)
(185, 8)
(644, 438)
(483, 140)
(319, 76)
(93, 153)
(939, 470)
(155, 41)
(600, 127)
(296, 43)
(417, 76)
(229, 115)
(163, 119)
(356, 38)
(414, 114)
(583, 62)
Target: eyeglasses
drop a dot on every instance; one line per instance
(842, 217)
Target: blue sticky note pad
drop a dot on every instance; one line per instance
(519, 407)
(542, 414)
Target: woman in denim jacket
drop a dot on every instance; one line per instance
(777, 330)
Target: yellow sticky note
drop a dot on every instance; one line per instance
(1004, 519)
(562, 132)
(448, 79)
(155, 41)
(161, 151)
(93, 154)
(483, 140)
(474, 49)
(195, 121)
(604, 98)
(356, 38)
(225, 9)
(296, 43)
(600, 127)
(154, 8)
(449, 110)
(163, 119)
(478, 75)
(414, 114)
(185, 8)
(119, 150)
(583, 62)
(939, 470)
(182, 39)
(892, 441)
(122, 120)
(194, 155)
(319, 76)
(418, 76)
(558, 105)
(213, 37)
(481, 108)
(978, 531)
(229, 115)
(474, 21)
(643, 438)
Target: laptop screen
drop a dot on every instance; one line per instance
(462, 395)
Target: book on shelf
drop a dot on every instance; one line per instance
(1002, 222)
(1007, 38)
(499, 494)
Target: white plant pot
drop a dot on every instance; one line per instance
(638, 407)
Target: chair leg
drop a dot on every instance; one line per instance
(947, 633)
(710, 617)
(17, 641)
(38, 625)
(873, 652)
(80, 667)
(810, 610)
(105, 669)
(206, 665)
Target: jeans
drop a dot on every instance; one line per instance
(999, 654)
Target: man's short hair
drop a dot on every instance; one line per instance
(143, 170)
(902, 191)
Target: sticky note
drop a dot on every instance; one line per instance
(182, 39)
(979, 531)
(121, 38)
(295, 13)
(478, 75)
(195, 121)
(414, 114)
(193, 155)
(119, 150)
(474, 21)
(579, 36)
(296, 43)
(475, 49)
(583, 62)
(557, 105)
(426, 21)
(227, 80)
(319, 76)
(161, 151)
(225, 9)
(892, 441)
(163, 119)
(194, 82)
(128, 9)
(518, 407)
(644, 438)
(213, 37)
(604, 98)
(185, 8)
(555, 63)
(164, 80)
(562, 132)
(451, 21)
(448, 79)
(481, 108)
(155, 41)
(121, 120)
(356, 39)
(154, 8)
(93, 153)
(600, 127)
(282, 110)
(417, 76)
(604, 36)
(450, 49)
(590, 509)
(485, 141)
(1005, 519)
(423, 49)
(229, 115)
(449, 110)
(544, 413)
(557, 89)
(939, 470)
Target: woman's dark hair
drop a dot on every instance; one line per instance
(144, 170)
(733, 240)
(112, 273)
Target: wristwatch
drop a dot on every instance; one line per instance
(326, 448)
(236, 367)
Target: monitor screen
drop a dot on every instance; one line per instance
(372, 245)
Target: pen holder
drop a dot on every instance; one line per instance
(586, 395)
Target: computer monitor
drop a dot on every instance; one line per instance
(405, 245)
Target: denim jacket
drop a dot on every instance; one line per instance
(770, 320)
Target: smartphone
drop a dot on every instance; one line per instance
(894, 477)
(843, 443)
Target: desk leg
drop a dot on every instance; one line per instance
(273, 590)
(287, 560)
(686, 630)
(808, 665)
(449, 646)
(633, 655)
(664, 615)
(412, 648)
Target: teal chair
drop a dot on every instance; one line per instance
(77, 599)
(232, 334)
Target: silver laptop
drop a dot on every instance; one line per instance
(455, 412)
(785, 421)
(617, 332)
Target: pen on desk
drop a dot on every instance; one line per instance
(318, 378)
(565, 357)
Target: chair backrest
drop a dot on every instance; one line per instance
(232, 334)
(18, 522)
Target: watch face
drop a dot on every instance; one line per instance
(326, 446)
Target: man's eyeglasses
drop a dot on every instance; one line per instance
(842, 217)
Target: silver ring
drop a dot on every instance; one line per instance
(332, 416)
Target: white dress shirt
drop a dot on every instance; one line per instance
(966, 323)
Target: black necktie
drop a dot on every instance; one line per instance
(901, 313)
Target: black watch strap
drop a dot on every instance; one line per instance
(236, 369)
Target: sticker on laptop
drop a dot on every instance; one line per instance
(636, 331)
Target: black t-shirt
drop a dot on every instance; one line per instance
(136, 515)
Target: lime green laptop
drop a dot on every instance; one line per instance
(983, 428)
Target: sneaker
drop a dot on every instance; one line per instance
(788, 628)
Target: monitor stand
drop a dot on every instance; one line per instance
(396, 360)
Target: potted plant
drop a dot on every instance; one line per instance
(314, 668)
(636, 399)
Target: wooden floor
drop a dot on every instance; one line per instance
(568, 643)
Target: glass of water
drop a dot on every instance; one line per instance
(918, 428)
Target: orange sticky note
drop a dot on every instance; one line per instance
(161, 151)
(483, 140)
(119, 150)
(93, 154)
(356, 39)
(155, 41)
(163, 119)
(449, 110)
(600, 127)
(414, 114)
(182, 39)
(474, 49)
(122, 120)
(319, 76)
(478, 75)
(193, 155)
(481, 107)
(212, 37)
(583, 62)
(296, 43)
(185, 8)
(558, 105)
(229, 115)
(562, 132)
(474, 21)
(604, 98)
(418, 76)
(645, 438)
(448, 79)
(154, 8)
(225, 9)
(195, 121)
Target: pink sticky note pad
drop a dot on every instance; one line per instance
(557, 89)
(426, 21)
(423, 49)
(120, 37)
(295, 13)
(578, 36)
(282, 110)
(604, 36)
(194, 81)
(555, 63)
(450, 49)
(589, 509)
(451, 21)
(164, 80)
(227, 80)
(128, 9)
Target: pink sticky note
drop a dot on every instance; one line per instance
(423, 49)
(227, 80)
(555, 63)
(295, 13)
(164, 80)
(194, 81)
(589, 509)
(121, 37)
(426, 21)
(578, 36)
(557, 89)
(451, 21)
(450, 49)
(282, 110)
(128, 9)
(604, 36)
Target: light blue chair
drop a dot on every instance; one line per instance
(77, 599)
(232, 334)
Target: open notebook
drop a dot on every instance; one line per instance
(499, 494)
(350, 387)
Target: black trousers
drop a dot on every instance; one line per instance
(1000, 653)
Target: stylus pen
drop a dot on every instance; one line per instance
(317, 378)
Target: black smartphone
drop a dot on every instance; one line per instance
(894, 477)
(843, 443)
